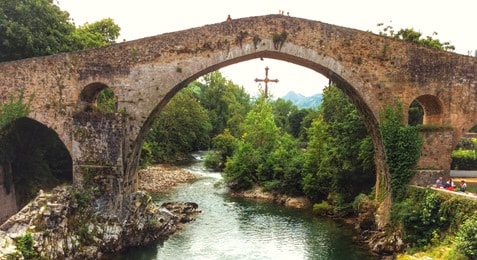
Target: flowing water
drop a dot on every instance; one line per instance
(230, 228)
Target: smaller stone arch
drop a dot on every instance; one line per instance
(432, 109)
(88, 101)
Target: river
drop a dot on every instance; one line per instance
(230, 228)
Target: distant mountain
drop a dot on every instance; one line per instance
(304, 102)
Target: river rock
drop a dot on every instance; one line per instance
(61, 229)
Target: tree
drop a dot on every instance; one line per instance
(282, 109)
(31, 28)
(182, 127)
(337, 157)
(97, 34)
(256, 143)
(226, 103)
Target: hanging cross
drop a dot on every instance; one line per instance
(266, 80)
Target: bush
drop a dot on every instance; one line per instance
(466, 239)
(25, 246)
(322, 209)
(213, 160)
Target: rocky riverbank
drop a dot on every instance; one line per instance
(284, 200)
(65, 223)
(161, 178)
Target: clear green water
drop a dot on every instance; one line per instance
(231, 228)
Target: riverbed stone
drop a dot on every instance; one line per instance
(63, 231)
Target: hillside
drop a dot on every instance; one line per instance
(302, 101)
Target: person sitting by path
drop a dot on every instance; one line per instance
(463, 186)
(449, 185)
(439, 182)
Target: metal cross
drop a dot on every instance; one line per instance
(266, 80)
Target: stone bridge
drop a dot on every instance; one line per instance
(145, 74)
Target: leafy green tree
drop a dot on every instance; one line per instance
(106, 101)
(282, 109)
(337, 158)
(264, 155)
(224, 145)
(31, 28)
(97, 34)
(226, 103)
(182, 127)
(415, 114)
(296, 121)
(257, 142)
(316, 181)
(347, 132)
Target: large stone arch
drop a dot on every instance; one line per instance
(306, 58)
(144, 74)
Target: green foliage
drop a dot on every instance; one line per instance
(410, 35)
(429, 217)
(213, 161)
(264, 156)
(403, 145)
(97, 34)
(465, 155)
(224, 145)
(316, 183)
(466, 239)
(81, 197)
(422, 220)
(296, 121)
(339, 156)
(24, 244)
(322, 209)
(226, 103)
(31, 28)
(106, 101)
(9, 112)
(281, 112)
(415, 114)
(16, 107)
(182, 127)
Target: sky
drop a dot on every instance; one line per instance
(454, 21)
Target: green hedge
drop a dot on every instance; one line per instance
(464, 160)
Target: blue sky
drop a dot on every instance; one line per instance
(454, 21)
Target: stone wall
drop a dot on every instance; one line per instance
(437, 149)
(8, 204)
(426, 178)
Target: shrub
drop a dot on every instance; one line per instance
(322, 209)
(25, 246)
(466, 239)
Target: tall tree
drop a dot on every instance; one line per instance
(338, 140)
(182, 127)
(31, 28)
(226, 102)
